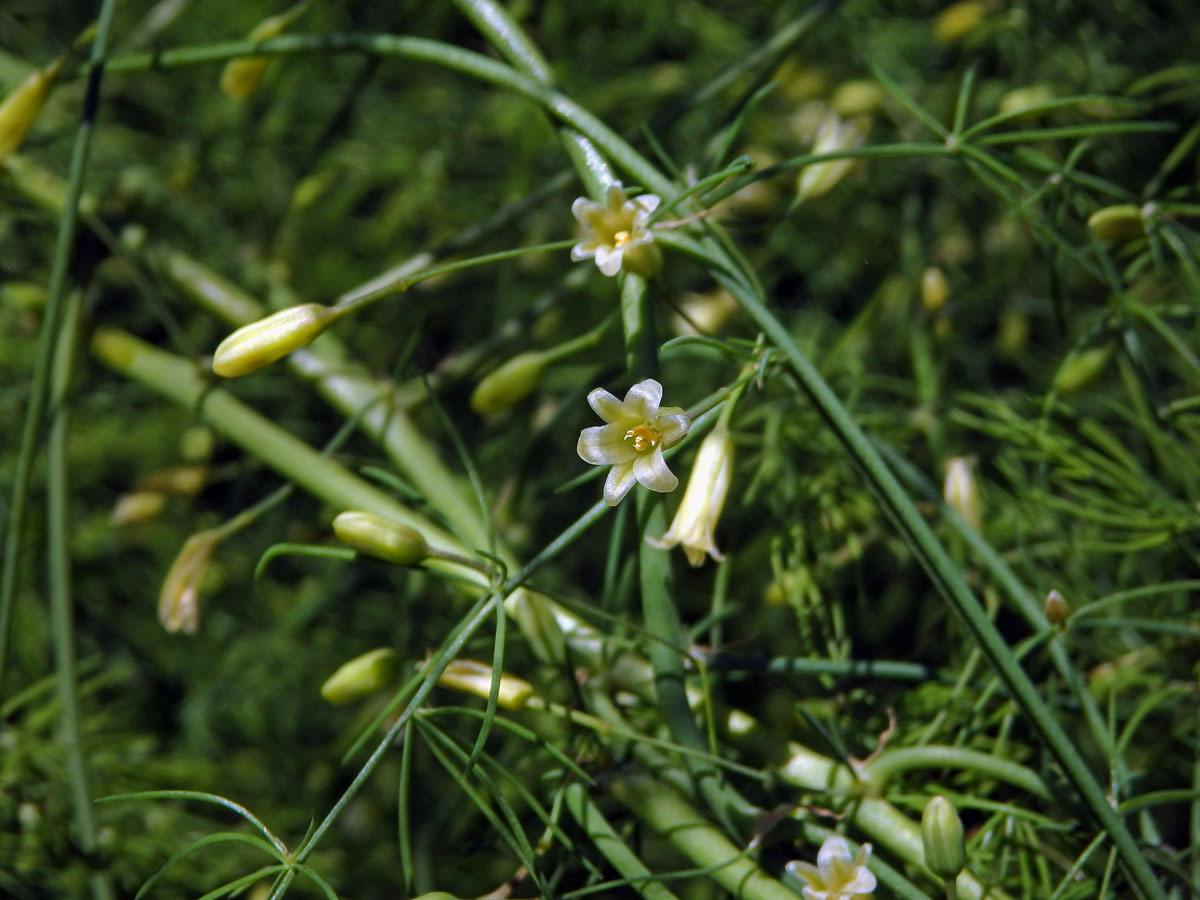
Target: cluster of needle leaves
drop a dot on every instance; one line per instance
(1060, 362)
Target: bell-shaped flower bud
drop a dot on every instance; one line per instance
(382, 538)
(476, 678)
(942, 838)
(703, 499)
(1056, 608)
(179, 599)
(834, 134)
(21, 107)
(360, 677)
(959, 490)
(261, 343)
(512, 382)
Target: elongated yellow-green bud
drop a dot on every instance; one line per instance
(1084, 370)
(361, 677)
(508, 385)
(1116, 224)
(261, 343)
(934, 289)
(959, 490)
(476, 678)
(857, 98)
(179, 599)
(958, 20)
(381, 538)
(22, 106)
(138, 507)
(241, 76)
(1025, 97)
(942, 838)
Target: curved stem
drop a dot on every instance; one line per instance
(878, 772)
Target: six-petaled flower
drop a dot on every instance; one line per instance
(615, 234)
(838, 874)
(633, 440)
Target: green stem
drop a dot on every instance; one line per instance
(51, 323)
(694, 836)
(180, 380)
(878, 772)
(933, 557)
(606, 840)
(881, 821)
(58, 561)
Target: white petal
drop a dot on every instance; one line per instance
(863, 882)
(646, 204)
(805, 871)
(608, 407)
(615, 195)
(616, 486)
(833, 849)
(605, 445)
(672, 424)
(608, 259)
(581, 209)
(651, 471)
(641, 400)
(583, 250)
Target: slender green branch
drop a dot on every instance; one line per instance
(879, 771)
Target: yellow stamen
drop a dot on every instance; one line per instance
(643, 437)
(621, 238)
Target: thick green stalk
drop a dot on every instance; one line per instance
(697, 839)
(182, 382)
(606, 840)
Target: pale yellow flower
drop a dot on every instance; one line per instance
(633, 440)
(838, 874)
(693, 525)
(959, 490)
(615, 233)
(833, 135)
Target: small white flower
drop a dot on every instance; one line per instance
(615, 233)
(633, 440)
(703, 498)
(838, 874)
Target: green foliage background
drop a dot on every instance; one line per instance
(1063, 366)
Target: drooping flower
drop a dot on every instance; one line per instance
(838, 874)
(693, 525)
(959, 491)
(179, 598)
(633, 440)
(834, 134)
(615, 233)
